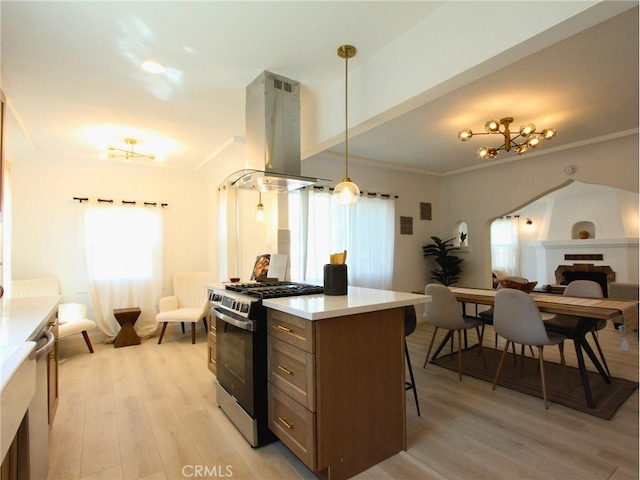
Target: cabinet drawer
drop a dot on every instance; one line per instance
(292, 370)
(294, 425)
(291, 329)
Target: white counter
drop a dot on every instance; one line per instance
(23, 317)
(358, 300)
(20, 322)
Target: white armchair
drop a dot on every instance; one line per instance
(35, 287)
(187, 304)
(72, 318)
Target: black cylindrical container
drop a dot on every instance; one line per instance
(335, 279)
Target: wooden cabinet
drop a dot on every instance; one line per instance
(53, 393)
(336, 389)
(211, 344)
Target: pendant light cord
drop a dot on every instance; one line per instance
(346, 117)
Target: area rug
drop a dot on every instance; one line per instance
(607, 397)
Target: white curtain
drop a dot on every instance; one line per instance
(505, 245)
(320, 227)
(123, 258)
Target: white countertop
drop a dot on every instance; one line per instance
(20, 322)
(22, 318)
(357, 300)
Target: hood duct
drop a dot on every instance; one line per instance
(272, 137)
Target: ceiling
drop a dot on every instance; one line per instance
(70, 71)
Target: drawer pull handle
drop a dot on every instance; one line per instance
(285, 423)
(285, 329)
(285, 370)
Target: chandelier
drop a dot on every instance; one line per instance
(347, 191)
(526, 139)
(129, 154)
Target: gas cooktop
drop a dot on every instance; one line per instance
(274, 289)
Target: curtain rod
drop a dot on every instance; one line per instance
(123, 202)
(384, 196)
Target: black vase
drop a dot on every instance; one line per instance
(335, 279)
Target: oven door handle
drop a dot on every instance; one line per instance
(243, 324)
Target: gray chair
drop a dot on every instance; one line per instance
(572, 326)
(410, 322)
(444, 311)
(487, 315)
(518, 320)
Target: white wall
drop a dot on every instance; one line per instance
(480, 196)
(45, 237)
(44, 231)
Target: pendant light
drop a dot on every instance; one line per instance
(260, 208)
(347, 191)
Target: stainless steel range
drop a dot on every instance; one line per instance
(241, 351)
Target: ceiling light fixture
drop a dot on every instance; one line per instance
(529, 137)
(151, 66)
(347, 191)
(128, 154)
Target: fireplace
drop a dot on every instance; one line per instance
(602, 274)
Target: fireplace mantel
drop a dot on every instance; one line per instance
(588, 243)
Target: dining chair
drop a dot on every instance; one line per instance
(487, 315)
(443, 311)
(410, 322)
(572, 326)
(188, 303)
(518, 320)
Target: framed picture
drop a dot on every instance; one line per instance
(261, 267)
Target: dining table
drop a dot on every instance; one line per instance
(588, 310)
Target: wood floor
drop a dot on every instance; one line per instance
(149, 412)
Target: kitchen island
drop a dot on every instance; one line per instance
(28, 381)
(336, 373)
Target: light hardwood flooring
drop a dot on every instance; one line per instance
(149, 411)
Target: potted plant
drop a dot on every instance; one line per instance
(449, 271)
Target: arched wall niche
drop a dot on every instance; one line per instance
(460, 234)
(583, 230)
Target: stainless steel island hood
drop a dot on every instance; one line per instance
(272, 137)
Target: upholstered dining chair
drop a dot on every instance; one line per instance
(188, 304)
(487, 315)
(410, 322)
(517, 319)
(73, 318)
(444, 311)
(569, 325)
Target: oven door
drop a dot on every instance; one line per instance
(234, 356)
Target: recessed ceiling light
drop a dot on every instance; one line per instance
(152, 66)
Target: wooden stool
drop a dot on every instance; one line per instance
(127, 318)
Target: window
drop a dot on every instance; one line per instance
(320, 227)
(123, 260)
(120, 241)
(505, 245)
